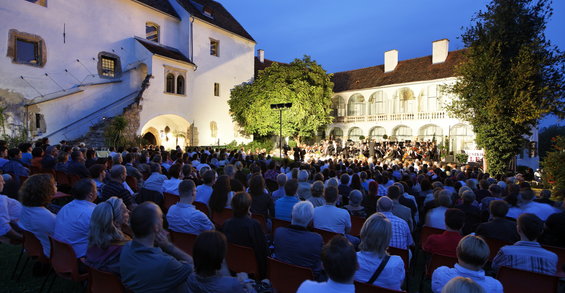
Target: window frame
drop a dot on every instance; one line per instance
(176, 73)
(157, 31)
(180, 88)
(40, 51)
(214, 47)
(216, 89)
(117, 65)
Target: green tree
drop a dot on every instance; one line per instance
(554, 164)
(546, 138)
(512, 77)
(303, 82)
(114, 132)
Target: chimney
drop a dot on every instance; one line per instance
(391, 60)
(440, 49)
(261, 55)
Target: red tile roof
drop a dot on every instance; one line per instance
(411, 70)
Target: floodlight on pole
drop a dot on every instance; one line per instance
(280, 107)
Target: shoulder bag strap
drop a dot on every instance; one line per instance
(379, 269)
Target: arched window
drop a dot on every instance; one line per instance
(432, 101)
(213, 129)
(372, 105)
(431, 133)
(180, 85)
(355, 133)
(152, 31)
(406, 98)
(336, 133)
(338, 106)
(377, 133)
(356, 105)
(462, 138)
(170, 86)
(402, 133)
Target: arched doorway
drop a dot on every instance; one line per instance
(149, 138)
(169, 131)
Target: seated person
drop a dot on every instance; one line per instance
(499, 227)
(317, 191)
(73, 220)
(527, 254)
(183, 216)
(10, 211)
(156, 179)
(211, 273)
(15, 165)
(446, 243)
(150, 263)
(76, 166)
(204, 191)
(354, 207)
(330, 217)
(245, 231)
(283, 206)
(62, 159)
(462, 285)
(401, 236)
(172, 185)
(115, 186)
(105, 237)
(340, 263)
(472, 212)
(472, 254)
(36, 193)
(295, 244)
(375, 237)
(281, 181)
(435, 217)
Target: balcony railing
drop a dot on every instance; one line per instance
(392, 117)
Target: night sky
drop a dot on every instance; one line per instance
(346, 35)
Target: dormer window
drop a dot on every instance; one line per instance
(152, 32)
(208, 12)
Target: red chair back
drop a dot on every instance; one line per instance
(438, 260)
(561, 258)
(220, 218)
(184, 241)
(33, 247)
(326, 235)
(261, 219)
(103, 282)
(285, 277)
(494, 246)
(277, 223)
(356, 224)
(62, 178)
(132, 183)
(520, 281)
(427, 231)
(202, 207)
(169, 199)
(369, 288)
(242, 259)
(64, 260)
(403, 253)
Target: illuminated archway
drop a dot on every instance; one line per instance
(169, 130)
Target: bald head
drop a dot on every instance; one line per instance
(384, 204)
(144, 219)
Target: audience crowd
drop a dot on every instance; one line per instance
(121, 213)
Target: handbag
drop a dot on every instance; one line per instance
(379, 270)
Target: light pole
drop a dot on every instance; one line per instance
(280, 107)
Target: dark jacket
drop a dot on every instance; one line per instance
(499, 229)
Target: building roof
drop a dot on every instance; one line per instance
(262, 65)
(219, 16)
(161, 5)
(162, 50)
(418, 69)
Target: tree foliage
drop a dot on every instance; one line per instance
(303, 82)
(547, 140)
(554, 164)
(512, 77)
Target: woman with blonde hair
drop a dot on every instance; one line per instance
(376, 266)
(462, 285)
(105, 237)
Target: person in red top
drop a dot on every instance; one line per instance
(446, 243)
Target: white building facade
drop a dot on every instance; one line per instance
(69, 65)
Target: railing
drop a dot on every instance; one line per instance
(392, 117)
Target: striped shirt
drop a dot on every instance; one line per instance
(528, 256)
(401, 237)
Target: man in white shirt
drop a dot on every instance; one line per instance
(204, 191)
(172, 185)
(73, 220)
(436, 217)
(340, 263)
(331, 218)
(543, 211)
(183, 216)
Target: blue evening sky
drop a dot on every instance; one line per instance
(346, 35)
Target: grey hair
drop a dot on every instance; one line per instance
(117, 159)
(332, 182)
(302, 213)
(444, 198)
(461, 284)
(302, 176)
(400, 186)
(229, 170)
(376, 234)
(105, 223)
(117, 171)
(317, 189)
(355, 197)
(384, 204)
(463, 189)
(281, 179)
